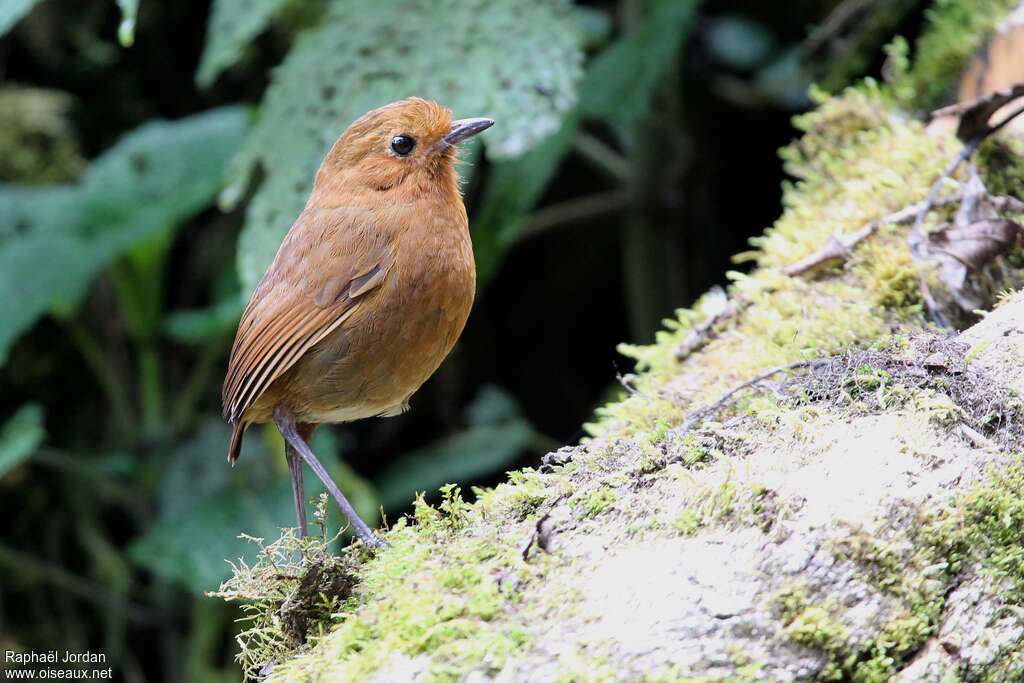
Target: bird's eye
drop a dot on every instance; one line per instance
(402, 145)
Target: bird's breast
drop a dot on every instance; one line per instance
(399, 335)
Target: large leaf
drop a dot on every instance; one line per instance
(233, 25)
(516, 60)
(205, 504)
(11, 11)
(20, 435)
(496, 435)
(621, 80)
(53, 240)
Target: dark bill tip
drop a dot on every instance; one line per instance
(466, 128)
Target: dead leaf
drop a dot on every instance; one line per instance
(975, 245)
(961, 251)
(975, 114)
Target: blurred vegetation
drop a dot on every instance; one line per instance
(151, 157)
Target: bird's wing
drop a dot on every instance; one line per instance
(328, 261)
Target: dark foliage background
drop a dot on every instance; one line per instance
(120, 286)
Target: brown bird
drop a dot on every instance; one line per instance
(368, 293)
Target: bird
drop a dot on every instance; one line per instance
(367, 294)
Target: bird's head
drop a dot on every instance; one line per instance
(406, 147)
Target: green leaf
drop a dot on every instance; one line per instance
(20, 436)
(233, 25)
(53, 240)
(12, 11)
(513, 188)
(517, 60)
(496, 436)
(205, 504)
(620, 82)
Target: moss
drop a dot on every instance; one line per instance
(687, 522)
(436, 591)
(1001, 161)
(598, 501)
(984, 526)
(977, 350)
(857, 160)
(289, 596)
(955, 31)
(859, 157)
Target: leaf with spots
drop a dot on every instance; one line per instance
(518, 61)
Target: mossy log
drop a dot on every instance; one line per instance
(805, 480)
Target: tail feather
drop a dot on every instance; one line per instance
(235, 448)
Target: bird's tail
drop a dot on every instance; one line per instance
(235, 448)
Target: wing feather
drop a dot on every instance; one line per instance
(325, 266)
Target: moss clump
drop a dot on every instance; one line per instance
(1001, 160)
(289, 596)
(955, 31)
(439, 590)
(688, 522)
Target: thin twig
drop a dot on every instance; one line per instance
(702, 414)
(839, 246)
(704, 331)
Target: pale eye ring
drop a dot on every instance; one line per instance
(402, 145)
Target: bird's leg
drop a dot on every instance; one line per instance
(295, 468)
(286, 425)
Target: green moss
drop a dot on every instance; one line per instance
(857, 160)
(435, 591)
(596, 502)
(1001, 160)
(955, 31)
(687, 522)
(983, 526)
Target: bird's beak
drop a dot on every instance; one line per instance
(466, 128)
